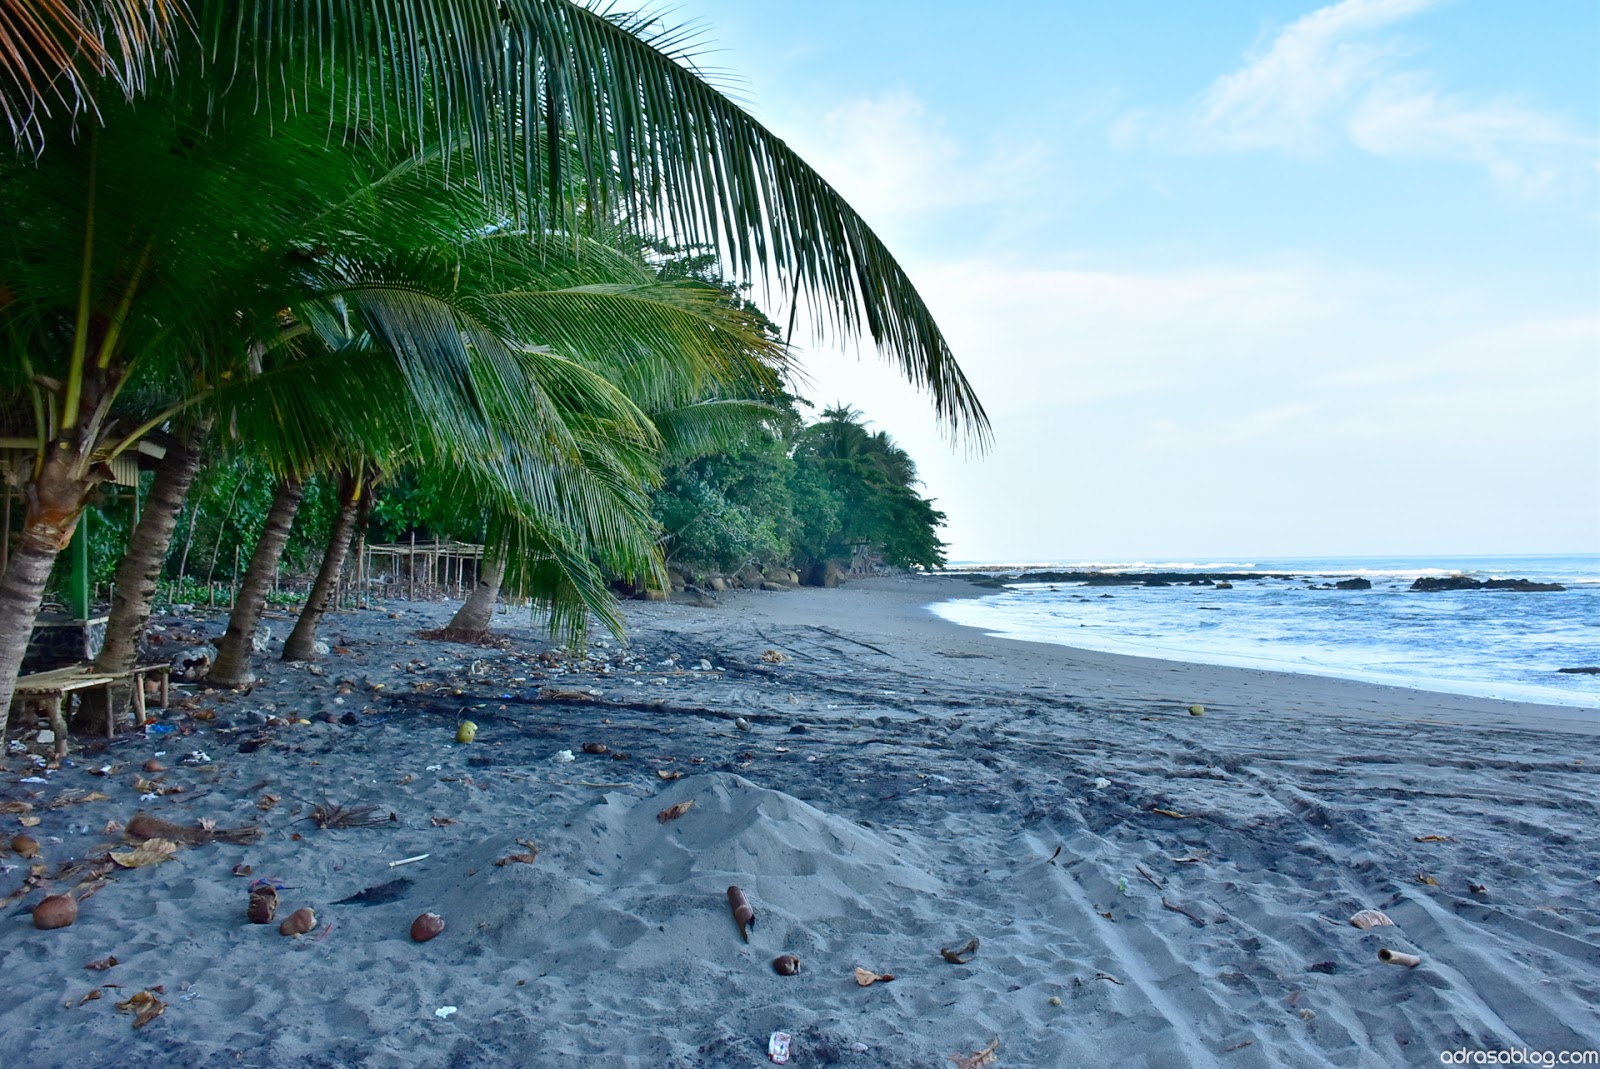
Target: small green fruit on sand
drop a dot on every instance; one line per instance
(1197, 710)
(467, 731)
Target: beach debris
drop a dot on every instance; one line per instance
(299, 922)
(786, 965)
(1327, 967)
(1424, 878)
(1099, 783)
(744, 914)
(10, 808)
(1179, 909)
(144, 1005)
(55, 911)
(1147, 874)
(741, 723)
(770, 656)
(778, 1047)
(426, 927)
(467, 731)
(408, 860)
(978, 1059)
(267, 801)
(1237, 1046)
(149, 852)
(94, 995)
(563, 757)
(527, 858)
(144, 826)
(1173, 813)
(1371, 918)
(444, 1012)
(24, 845)
(377, 895)
(569, 694)
(668, 776)
(1398, 957)
(1197, 710)
(1108, 977)
(153, 765)
(961, 955)
(866, 977)
(442, 822)
(1480, 889)
(1433, 838)
(1051, 860)
(263, 905)
(1054, 1000)
(673, 812)
(102, 965)
(596, 748)
(328, 814)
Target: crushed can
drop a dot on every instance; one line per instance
(778, 1047)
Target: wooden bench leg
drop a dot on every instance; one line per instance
(58, 724)
(138, 701)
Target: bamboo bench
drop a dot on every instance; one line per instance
(52, 688)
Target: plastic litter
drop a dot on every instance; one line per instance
(1100, 783)
(563, 757)
(444, 1012)
(778, 1047)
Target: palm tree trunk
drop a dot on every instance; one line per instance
(55, 501)
(233, 652)
(140, 569)
(477, 612)
(300, 643)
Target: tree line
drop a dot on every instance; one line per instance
(322, 246)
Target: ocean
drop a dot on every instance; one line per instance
(1492, 643)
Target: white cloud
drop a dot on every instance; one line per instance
(894, 161)
(1334, 77)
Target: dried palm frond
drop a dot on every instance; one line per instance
(330, 814)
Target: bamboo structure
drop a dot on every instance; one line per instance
(429, 572)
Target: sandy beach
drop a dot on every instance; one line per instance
(1147, 887)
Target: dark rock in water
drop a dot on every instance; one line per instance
(1461, 582)
(350, 720)
(1587, 670)
(798, 729)
(1524, 585)
(1353, 584)
(393, 891)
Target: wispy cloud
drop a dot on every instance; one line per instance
(1340, 75)
(893, 159)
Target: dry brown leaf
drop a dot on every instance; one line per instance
(1424, 878)
(664, 774)
(523, 859)
(1173, 813)
(1433, 838)
(29, 822)
(94, 993)
(145, 1005)
(242, 870)
(960, 955)
(149, 852)
(773, 657)
(441, 822)
(16, 807)
(103, 964)
(267, 801)
(673, 812)
(978, 1058)
(72, 798)
(866, 977)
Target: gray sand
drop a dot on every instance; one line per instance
(904, 785)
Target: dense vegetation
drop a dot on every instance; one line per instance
(357, 268)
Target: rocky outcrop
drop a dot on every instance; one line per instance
(1431, 583)
(1353, 584)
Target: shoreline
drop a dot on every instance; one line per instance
(1149, 888)
(1463, 688)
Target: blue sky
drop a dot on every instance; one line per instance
(1234, 279)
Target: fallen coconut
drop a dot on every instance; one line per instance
(55, 911)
